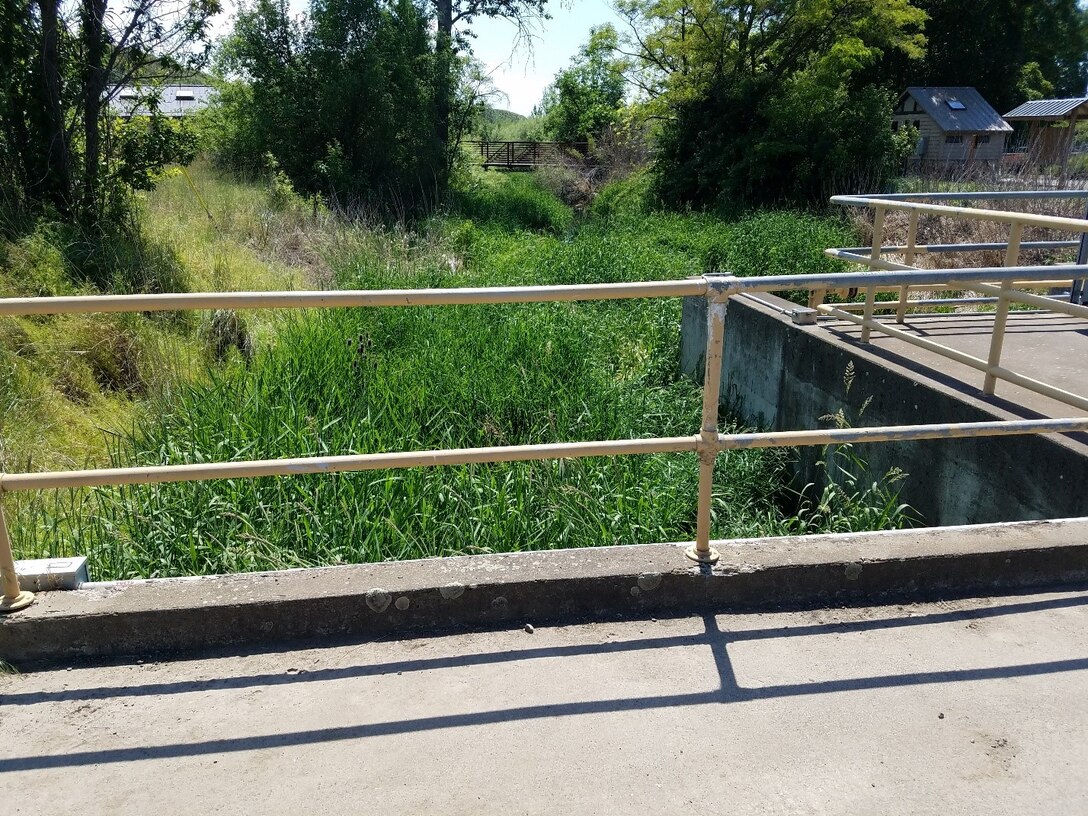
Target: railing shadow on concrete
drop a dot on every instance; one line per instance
(1013, 607)
(708, 443)
(729, 690)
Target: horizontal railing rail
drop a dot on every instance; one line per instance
(975, 195)
(363, 298)
(1059, 222)
(707, 443)
(937, 249)
(986, 195)
(211, 471)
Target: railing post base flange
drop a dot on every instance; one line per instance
(16, 602)
(708, 556)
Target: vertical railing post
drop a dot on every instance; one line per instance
(1076, 292)
(908, 259)
(816, 297)
(717, 297)
(870, 291)
(997, 340)
(12, 598)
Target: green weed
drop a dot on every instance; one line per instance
(333, 382)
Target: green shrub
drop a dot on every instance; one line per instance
(780, 243)
(762, 143)
(34, 265)
(513, 202)
(624, 199)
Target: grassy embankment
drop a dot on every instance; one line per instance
(400, 379)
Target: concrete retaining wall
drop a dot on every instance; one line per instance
(783, 376)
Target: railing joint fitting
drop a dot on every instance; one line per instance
(720, 286)
(706, 446)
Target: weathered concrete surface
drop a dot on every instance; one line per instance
(965, 707)
(788, 377)
(172, 615)
(1049, 347)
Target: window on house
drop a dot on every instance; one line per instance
(953, 138)
(185, 96)
(895, 127)
(127, 94)
(917, 125)
(955, 104)
(981, 140)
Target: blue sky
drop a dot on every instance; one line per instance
(521, 74)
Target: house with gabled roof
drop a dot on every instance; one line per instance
(956, 124)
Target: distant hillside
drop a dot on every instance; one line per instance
(498, 124)
(497, 116)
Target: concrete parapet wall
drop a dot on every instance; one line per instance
(784, 377)
(399, 599)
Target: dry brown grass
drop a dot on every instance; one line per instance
(934, 229)
(618, 153)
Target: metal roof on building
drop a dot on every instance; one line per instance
(1048, 109)
(174, 100)
(959, 110)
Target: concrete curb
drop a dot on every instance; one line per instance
(381, 600)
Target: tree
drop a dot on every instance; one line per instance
(451, 44)
(343, 102)
(991, 45)
(66, 63)
(1031, 84)
(764, 101)
(586, 98)
(685, 47)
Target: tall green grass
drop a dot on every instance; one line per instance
(341, 381)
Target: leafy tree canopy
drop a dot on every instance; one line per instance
(765, 101)
(1011, 50)
(586, 98)
(342, 101)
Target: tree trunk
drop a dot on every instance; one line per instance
(57, 185)
(444, 62)
(94, 86)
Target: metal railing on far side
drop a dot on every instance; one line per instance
(999, 286)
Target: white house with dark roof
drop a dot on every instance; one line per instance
(955, 124)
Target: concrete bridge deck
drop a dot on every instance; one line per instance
(972, 706)
(1048, 347)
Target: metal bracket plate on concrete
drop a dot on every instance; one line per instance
(43, 574)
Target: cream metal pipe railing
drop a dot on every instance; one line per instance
(708, 443)
(1004, 289)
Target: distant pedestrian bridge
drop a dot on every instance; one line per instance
(526, 155)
